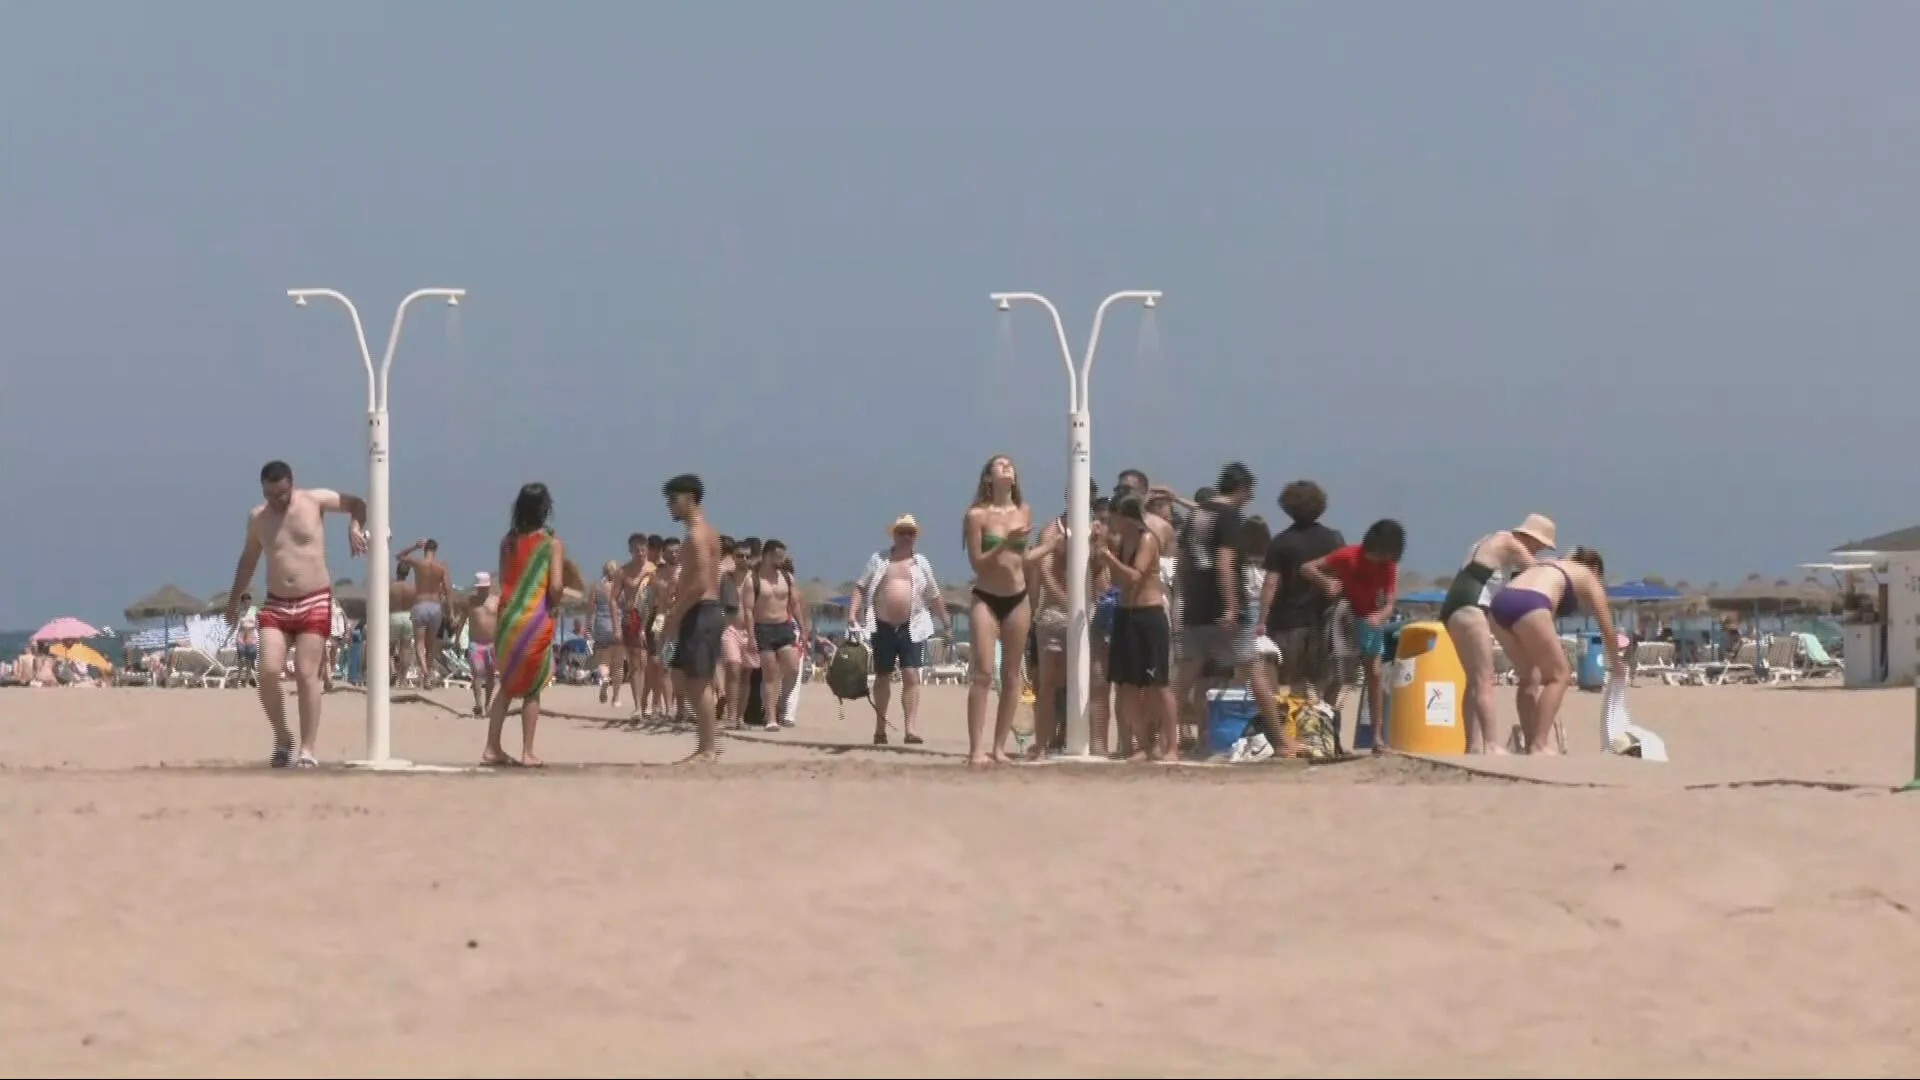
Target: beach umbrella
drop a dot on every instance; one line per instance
(84, 655)
(64, 628)
(351, 596)
(1635, 592)
(167, 602)
(818, 592)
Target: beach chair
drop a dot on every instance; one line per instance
(230, 671)
(946, 663)
(1655, 659)
(457, 673)
(1740, 668)
(187, 666)
(1782, 659)
(1816, 662)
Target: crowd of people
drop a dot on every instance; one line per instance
(1192, 595)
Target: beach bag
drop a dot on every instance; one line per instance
(847, 675)
(1314, 725)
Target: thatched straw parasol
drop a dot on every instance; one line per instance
(959, 598)
(1757, 594)
(351, 596)
(166, 602)
(815, 592)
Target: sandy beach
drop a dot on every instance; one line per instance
(814, 907)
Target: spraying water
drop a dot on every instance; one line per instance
(1002, 383)
(1146, 396)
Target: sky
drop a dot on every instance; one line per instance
(1646, 268)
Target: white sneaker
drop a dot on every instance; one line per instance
(1258, 748)
(1239, 753)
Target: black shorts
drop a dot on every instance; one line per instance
(774, 636)
(894, 648)
(1306, 656)
(696, 650)
(1142, 648)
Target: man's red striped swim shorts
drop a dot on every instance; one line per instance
(309, 614)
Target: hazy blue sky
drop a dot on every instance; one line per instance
(1647, 268)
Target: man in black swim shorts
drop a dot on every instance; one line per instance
(697, 619)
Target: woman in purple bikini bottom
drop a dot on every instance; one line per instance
(1523, 617)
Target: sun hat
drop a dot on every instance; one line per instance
(904, 522)
(1537, 528)
(482, 580)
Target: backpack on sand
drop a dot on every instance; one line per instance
(847, 675)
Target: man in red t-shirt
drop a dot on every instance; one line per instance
(1366, 574)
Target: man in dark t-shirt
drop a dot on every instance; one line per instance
(1295, 613)
(1215, 641)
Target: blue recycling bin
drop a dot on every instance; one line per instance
(1591, 674)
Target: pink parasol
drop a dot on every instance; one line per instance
(64, 628)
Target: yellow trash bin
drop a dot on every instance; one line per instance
(1426, 692)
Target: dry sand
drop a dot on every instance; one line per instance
(836, 911)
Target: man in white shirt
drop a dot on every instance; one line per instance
(895, 605)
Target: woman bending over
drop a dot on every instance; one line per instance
(1523, 617)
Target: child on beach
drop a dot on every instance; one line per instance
(1366, 574)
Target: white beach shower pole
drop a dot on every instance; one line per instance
(379, 522)
(1079, 500)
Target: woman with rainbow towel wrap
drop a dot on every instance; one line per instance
(532, 577)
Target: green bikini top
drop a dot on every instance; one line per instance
(989, 541)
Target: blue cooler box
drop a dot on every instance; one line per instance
(1229, 712)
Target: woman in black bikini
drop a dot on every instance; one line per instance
(1523, 617)
(995, 534)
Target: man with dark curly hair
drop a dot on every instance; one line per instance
(1296, 614)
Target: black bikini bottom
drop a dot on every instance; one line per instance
(1001, 606)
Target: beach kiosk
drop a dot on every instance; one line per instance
(1881, 630)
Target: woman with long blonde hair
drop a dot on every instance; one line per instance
(995, 533)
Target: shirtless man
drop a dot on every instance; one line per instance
(778, 627)
(658, 688)
(1158, 500)
(401, 593)
(433, 592)
(1140, 658)
(483, 618)
(696, 616)
(289, 529)
(635, 577)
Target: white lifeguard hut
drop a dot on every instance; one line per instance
(1881, 627)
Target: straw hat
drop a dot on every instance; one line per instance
(1537, 528)
(906, 522)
